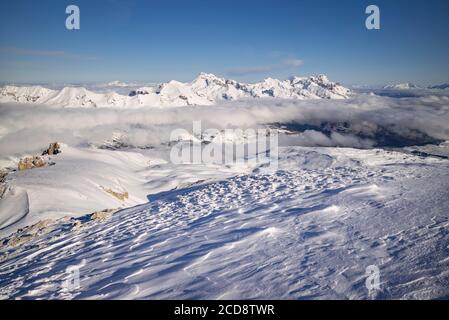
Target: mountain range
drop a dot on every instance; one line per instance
(206, 89)
(410, 86)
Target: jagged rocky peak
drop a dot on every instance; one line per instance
(207, 79)
(205, 75)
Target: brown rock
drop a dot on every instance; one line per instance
(31, 162)
(25, 164)
(53, 148)
(103, 215)
(119, 195)
(18, 240)
(39, 162)
(28, 233)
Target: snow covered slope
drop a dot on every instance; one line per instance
(95, 175)
(308, 230)
(137, 224)
(34, 94)
(206, 89)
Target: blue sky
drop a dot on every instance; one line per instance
(154, 41)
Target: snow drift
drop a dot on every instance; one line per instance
(308, 230)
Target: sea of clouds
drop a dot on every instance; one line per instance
(366, 119)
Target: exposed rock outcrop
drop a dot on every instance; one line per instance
(29, 233)
(103, 215)
(122, 196)
(27, 163)
(53, 148)
(31, 162)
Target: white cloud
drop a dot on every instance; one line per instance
(46, 53)
(369, 119)
(284, 64)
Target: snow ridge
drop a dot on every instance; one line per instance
(206, 89)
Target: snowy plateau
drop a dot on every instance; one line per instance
(362, 180)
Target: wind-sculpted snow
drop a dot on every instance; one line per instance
(308, 230)
(206, 89)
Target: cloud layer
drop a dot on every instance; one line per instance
(44, 53)
(364, 121)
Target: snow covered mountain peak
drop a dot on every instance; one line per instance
(320, 78)
(205, 89)
(209, 79)
(205, 75)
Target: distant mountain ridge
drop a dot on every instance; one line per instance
(402, 86)
(410, 86)
(443, 86)
(206, 89)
